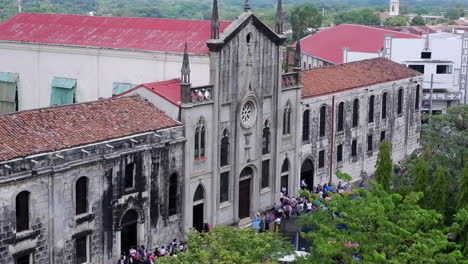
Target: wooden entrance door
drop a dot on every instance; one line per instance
(129, 231)
(307, 173)
(244, 199)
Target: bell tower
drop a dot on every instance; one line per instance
(394, 8)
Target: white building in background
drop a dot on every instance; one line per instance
(394, 8)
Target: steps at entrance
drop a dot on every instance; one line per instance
(245, 223)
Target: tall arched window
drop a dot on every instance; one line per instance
(306, 125)
(384, 105)
(81, 195)
(400, 101)
(340, 120)
(129, 175)
(173, 194)
(266, 138)
(371, 109)
(416, 100)
(200, 139)
(323, 116)
(225, 148)
(355, 112)
(22, 211)
(285, 176)
(287, 119)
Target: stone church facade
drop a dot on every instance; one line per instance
(98, 177)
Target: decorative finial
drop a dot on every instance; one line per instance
(297, 55)
(247, 6)
(185, 71)
(215, 21)
(279, 18)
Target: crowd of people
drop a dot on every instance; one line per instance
(144, 255)
(296, 205)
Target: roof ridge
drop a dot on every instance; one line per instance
(348, 63)
(382, 29)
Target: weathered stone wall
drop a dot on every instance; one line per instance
(402, 130)
(51, 181)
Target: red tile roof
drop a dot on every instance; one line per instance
(352, 75)
(54, 128)
(329, 44)
(169, 90)
(155, 34)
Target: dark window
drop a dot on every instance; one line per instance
(419, 68)
(310, 66)
(382, 136)
(323, 112)
(305, 125)
(400, 101)
(249, 36)
(340, 116)
(129, 175)
(321, 162)
(339, 153)
(81, 249)
(224, 187)
(371, 109)
(23, 259)
(225, 148)
(246, 172)
(199, 193)
(173, 194)
(354, 148)
(285, 166)
(81, 200)
(370, 141)
(305, 66)
(265, 173)
(287, 120)
(200, 139)
(355, 112)
(416, 100)
(444, 69)
(22, 211)
(266, 138)
(384, 105)
(426, 55)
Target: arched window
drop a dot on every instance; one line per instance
(130, 175)
(284, 176)
(371, 109)
(246, 172)
(416, 100)
(173, 194)
(22, 211)
(81, 195)
(287, 119)
(306, 125)
(384, 105)
(225, 148)
(323, 113)
(355, 112)
(266, 138)
(400, 101)
(285, 166)
(200, 139)
(199, 194)
(340, 120)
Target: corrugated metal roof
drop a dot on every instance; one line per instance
(9, 77)
(329, 44)
(155, 34)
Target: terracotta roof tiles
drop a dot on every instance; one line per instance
(352, 75)
(49, 129)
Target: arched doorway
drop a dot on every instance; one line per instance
(307, 173)
(244, 192)
(198, 208)
(129, 230)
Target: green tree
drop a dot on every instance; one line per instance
(437, 199)
(421, 175)
(418, 21)
(303, 18)
(384, 165)
(455, 13)
(396, 21)
(377, 227)
(460, 229)
(463, 194)
(224, 244)
(361, 17)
